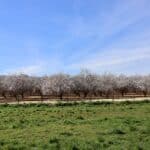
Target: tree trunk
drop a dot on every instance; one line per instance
(17, 98)
(77, 94)
(145, 93)
(107, 94)
(95, 94)
(42, 98)
(122, 93)
(113, 95)
(4, 95)
(22, 96)
(61, 96)
(85, 94)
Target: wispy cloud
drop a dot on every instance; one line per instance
(118, 37)
(30, 70)
(108, 60)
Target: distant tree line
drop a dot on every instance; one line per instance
(83, 85)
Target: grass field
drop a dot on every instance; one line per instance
(90, 126)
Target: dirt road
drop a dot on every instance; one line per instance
(95, 100)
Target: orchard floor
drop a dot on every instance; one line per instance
(73, 126)
(54, 101)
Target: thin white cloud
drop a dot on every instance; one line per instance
(111, 58)
(42, 67)
(107, 23)
(30, 70)
(103, 25)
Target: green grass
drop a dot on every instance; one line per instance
(76, 126)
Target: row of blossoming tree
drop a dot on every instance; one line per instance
(83, 85)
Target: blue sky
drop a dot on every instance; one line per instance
(39, 37)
